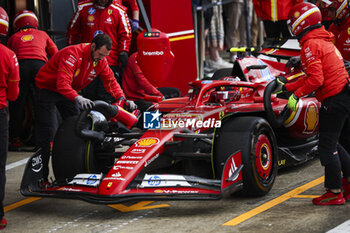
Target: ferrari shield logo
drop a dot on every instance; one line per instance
(110, 11)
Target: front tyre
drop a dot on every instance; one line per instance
(254, 137)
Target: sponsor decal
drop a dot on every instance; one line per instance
(98, 32)
(311, 118)
(27, 38)
(281, 162)
(37, 163)
(233, 168)
(117, 167)
(127, 162)
(109, 184)
(207, 81)
(164, 181)
(138, 151)
(153, 53)
(147, 142)
(176, 191)
(221, 114)
(109, 20)
(110, 11)
(132, 157)
(70, 189)
(116, 174)
(86, 179)
(90, 18)
(154, 181)
(151, 120)
(151, 160)
(92, 179)
(114, 178)
(92, 11)
(77, 73)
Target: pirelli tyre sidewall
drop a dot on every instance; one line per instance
(71, 154)
(254, 137)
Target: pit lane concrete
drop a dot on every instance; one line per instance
(287, 208)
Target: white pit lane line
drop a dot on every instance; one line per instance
(16, 164)
(342, 228)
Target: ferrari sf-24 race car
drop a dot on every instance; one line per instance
(226, 135)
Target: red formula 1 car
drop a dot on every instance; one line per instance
(226, 135)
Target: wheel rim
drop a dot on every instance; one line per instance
(263, 156)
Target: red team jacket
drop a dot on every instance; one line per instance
(274, 10)
(32, 44)
(323, 64)
(89, 21)
(342, 37)
(9, 76)
(72, 69)
(135, 84)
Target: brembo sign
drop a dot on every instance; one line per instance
(152, 53)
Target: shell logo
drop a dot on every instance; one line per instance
(147, 142)
(27, 38)
(311, 118)
(296, 14)
(77, 73)
(90, 18)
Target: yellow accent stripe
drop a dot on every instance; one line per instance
(274, 10)
(143, 205)
(295, 76)
(274, 202)
(21, 203)
(181, 38)
(306, 196)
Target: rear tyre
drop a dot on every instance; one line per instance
(226, 72)
(254, 137)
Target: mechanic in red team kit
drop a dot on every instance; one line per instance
(60, 79)
(341, 27)
(327, 76)
(136, 85)
(133, 12)
(9, 79)
(31, 47)
(102, 16)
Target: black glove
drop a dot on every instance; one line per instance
(280, 82)
(294, 62)
(84, 103)
(122, 60)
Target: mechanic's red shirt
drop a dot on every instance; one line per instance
(72, 69)
(135, 84)
(274, 10)
(32, 44)
(9, 76)
(130, 4)
(323, 65)
(89, 21)
(342, 37)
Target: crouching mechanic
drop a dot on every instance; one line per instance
(326, 75)
(60, 79)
